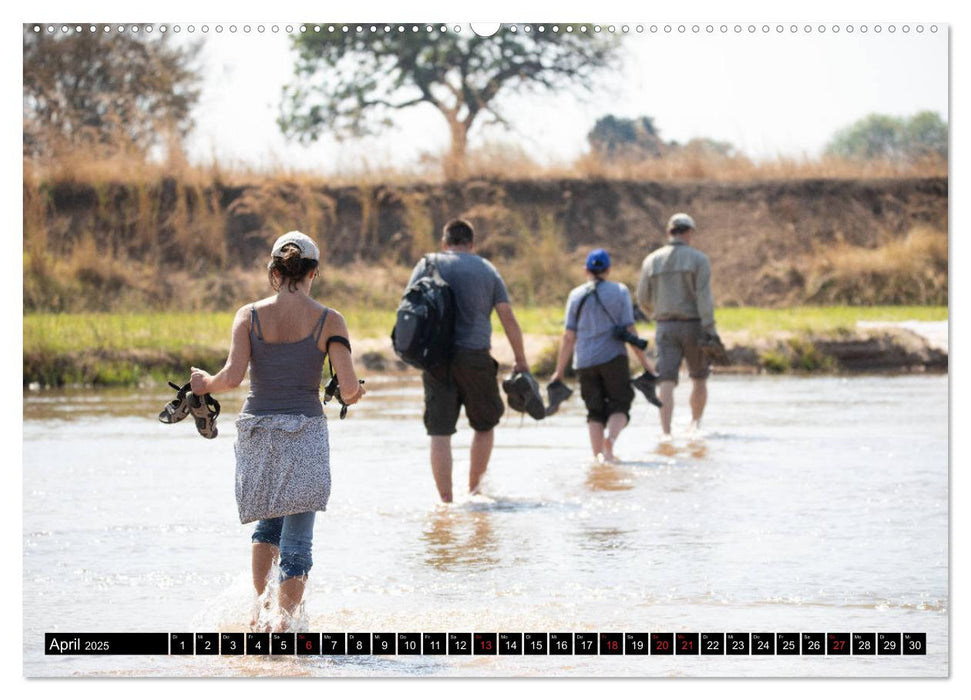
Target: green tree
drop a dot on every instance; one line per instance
(617, 138)
(614, 138)
(925, 134)
(883, 137)
(351, 83)
(129, 91)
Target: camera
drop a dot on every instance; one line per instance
(621, 333)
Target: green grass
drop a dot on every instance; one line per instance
(818, 319)
(173, 332)
(167, 332)
(548, 320)
(124, 349)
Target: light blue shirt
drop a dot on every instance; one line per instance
(594, 322)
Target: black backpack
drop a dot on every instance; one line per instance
(424, 331)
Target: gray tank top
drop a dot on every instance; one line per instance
(284, 377)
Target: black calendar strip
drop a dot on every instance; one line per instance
(488, 643)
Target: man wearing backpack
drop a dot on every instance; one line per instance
(470, 378)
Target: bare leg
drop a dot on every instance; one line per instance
(596, 431)
(699, 397)
(264, 557)
(442, 465)
(479, 453)
(666, 394)
(291, 593)
(615, 423)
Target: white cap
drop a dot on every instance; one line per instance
(308, 249)
(680, 220)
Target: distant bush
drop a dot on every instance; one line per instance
(882, 137)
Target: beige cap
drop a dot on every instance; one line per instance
(680, 220)
(308, 249)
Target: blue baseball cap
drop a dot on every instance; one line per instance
(598, 260)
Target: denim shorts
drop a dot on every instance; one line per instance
(294, 535)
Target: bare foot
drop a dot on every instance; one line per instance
(608, 452)
(282, 625)
(258, 620)
(665, 446)
(289, 622)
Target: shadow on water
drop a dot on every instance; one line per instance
(695, 448)
(608, 476)
(456, 538)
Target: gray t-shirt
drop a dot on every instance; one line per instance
(478, 287)
(594, 327)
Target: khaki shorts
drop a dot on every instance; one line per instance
(606, 389)
(677, 340)
(471, 381)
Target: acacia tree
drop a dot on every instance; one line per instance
(129, 91)
(351, 83)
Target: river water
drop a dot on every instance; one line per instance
(807, 505)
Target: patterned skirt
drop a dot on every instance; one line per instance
(282, 465)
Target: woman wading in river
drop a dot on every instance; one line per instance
(282, 451)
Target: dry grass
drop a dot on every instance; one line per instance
(701, 166)
(494, 160)
(908, 270)
(108, 231)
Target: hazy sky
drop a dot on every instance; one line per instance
(768, 94)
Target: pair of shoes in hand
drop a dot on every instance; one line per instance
(557, 392)
(204, 410)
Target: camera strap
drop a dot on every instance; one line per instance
(593, 293)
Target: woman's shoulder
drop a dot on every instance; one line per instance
(334, 317)
(258, 304)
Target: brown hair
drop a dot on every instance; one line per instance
(290, 266)
(458, 232)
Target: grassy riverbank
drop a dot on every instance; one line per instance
(126, 349)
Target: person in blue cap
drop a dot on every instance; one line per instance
(599, 324)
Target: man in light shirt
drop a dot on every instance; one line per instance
(675, 289)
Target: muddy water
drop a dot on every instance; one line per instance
(814, 504)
